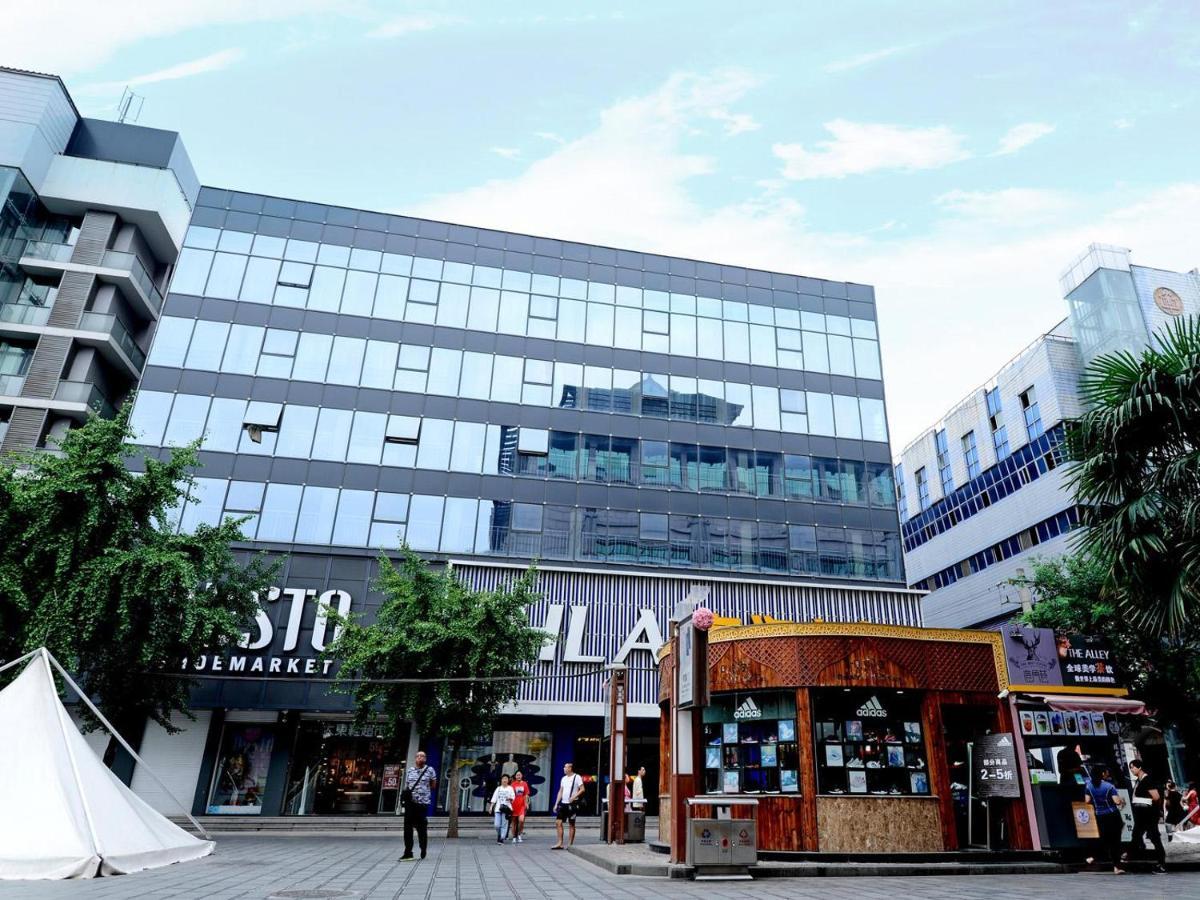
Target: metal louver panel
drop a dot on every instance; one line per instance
(95, 234)
(46, 367)
(73, 293)
(24, 429)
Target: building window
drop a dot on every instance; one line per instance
(869, 742)
(999, 431)
(901, 499)
(750, 744)
(943, 461)
(1033, 415)
(971, 455)
(922, 489)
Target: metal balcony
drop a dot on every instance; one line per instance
(124, 270)
(110, 336)
(80, 398)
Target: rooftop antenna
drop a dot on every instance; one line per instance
(130, 107)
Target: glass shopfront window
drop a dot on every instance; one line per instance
(750, 744)
(869, 742)
(340, 768)
(240, 777)
(481, 765)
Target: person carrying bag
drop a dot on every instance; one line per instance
(501, 807)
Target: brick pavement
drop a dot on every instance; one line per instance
(254, 867)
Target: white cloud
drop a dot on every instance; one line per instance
(865, 59)
(1123, 123)
(1010, 205)
(413, 23)
(506, 152)
(1021, 136)
(67, 36)
(858, 148)
(213, 62)
(550, 136)
(954, 302)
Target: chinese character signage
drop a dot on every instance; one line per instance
(994, 767)
(1086, 662)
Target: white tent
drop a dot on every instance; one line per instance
(63, 814)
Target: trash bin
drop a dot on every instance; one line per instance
(635, 827)
(722, 842)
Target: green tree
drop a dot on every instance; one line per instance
(440, 654)
(1137, 477)
(91, 569)
(1071, 597)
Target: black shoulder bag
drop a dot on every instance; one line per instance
(406, 795)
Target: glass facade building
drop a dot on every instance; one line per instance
(361, 379)
(638, 425)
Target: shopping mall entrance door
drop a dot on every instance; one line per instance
(339, 769)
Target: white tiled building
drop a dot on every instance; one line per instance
(981, 492)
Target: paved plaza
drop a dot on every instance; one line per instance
(366, 868)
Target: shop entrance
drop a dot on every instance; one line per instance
(340, 769)
(963, 724)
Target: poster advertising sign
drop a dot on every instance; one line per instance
(994, 767)
(240, 779)
(1087, 661)
(391, 777)
(1032, 656)
(686, 694)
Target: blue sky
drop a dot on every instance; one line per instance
(954, 155)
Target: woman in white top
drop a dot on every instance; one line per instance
(502, 805)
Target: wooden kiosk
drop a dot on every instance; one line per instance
(854, 738)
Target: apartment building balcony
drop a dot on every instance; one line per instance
(77, 399)
(106, 333)
(124, 270)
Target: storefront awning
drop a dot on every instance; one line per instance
(1113, 705)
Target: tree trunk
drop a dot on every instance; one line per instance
(116, 757)
(454, 795)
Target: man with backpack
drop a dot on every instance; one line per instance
(566, 806)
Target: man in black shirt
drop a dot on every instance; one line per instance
(1147, 811)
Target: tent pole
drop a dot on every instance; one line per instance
(21, 659)
(87, 812)
(123, 743)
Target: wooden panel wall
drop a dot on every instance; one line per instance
(879, 825)
(808, 771)
(939, 774)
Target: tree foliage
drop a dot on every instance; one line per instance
(432, 626)
(468, 649)
(91, 568)
(1137, 477)
(1163, 671)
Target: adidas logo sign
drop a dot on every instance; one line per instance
(748, 710)
(871, 709)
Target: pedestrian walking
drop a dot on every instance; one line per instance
(1147, 812)
(1107, 803)
(420, 780)
(1191, 806)
(501, 806)
(520, 798)
(1173, 810)
(566, 805)
(639, 789)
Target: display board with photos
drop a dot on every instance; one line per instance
(869, 742)
(750, 744)
(1055, 723)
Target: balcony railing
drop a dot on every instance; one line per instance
(24, 314)
(116, 259)
(10, 385)
(113, 326)
(49, 250)
(86, 393)
(112, 259)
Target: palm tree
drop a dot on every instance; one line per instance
(1137, 476)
